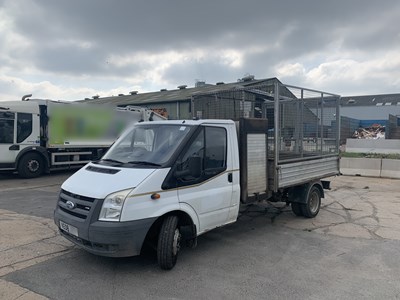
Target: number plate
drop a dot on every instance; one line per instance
(69, 228)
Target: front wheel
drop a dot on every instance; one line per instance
(31, 165)
(313, 203)
(169, 243)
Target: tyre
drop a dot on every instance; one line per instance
(169, 243)
(296, 209)
(313, 203)
(30, 165)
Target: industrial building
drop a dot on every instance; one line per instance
(365, 111)
(370, 107)
(356, 111)
(176, 104)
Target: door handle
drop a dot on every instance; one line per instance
(230, 177)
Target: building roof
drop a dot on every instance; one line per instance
(181, 94)
(371, 100)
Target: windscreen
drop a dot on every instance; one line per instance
(151, 144)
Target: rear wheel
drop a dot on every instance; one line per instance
(31, 165)
(169, 243)
(313, 203)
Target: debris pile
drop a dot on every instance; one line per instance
(375, 131)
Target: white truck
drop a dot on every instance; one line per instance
(166, 182)
(39, 135)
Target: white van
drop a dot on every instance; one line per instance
(165, 182)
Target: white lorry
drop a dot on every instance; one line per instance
(163, 183)
(39, 135)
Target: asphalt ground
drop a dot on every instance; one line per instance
(349, 251)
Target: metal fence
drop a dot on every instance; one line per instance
(302, 123)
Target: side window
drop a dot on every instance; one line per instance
(24, 126)
(210, 146)
(6, 128)
(215, 153)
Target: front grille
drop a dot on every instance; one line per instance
(78, 215)
(82, 205)
(79, 197)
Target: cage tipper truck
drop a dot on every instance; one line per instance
(165, 183)
(39, 135)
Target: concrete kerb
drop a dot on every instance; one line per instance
(27, 240)
(24, 242)
(371, 167)
(11, 291)
(373, 146)
(390, 168)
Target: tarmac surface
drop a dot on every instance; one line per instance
(349, 251)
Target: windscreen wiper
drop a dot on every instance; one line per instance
(140, 162)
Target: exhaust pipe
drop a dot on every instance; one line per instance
(24, 98)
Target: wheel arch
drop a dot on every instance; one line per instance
(34, 149)
(299, 194)
(188, 226)
(320, 187)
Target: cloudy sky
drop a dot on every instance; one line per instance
(71, 49)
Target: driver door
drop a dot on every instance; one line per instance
(210, 193)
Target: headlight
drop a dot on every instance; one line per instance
(112, 206)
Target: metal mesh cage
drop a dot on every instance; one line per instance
(302, 123)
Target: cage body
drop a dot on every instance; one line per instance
(302, 129)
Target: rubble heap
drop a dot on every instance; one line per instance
(376, 131)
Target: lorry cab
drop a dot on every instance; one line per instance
(19, 132)
(162, 182)
(37, 136)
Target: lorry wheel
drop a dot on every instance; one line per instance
(169, 243)
(30, 165)
(313, 203)
(296, 209)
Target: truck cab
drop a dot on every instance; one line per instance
(161, 182)
(37, 136)
(19, 132)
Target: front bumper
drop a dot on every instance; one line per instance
(113, 239)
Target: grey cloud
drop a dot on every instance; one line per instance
(132, 25)
(126, 26)
(210, 71)
(7, 86)
(385, 35)
(68, 59)
(79, 61)
(292, 29)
